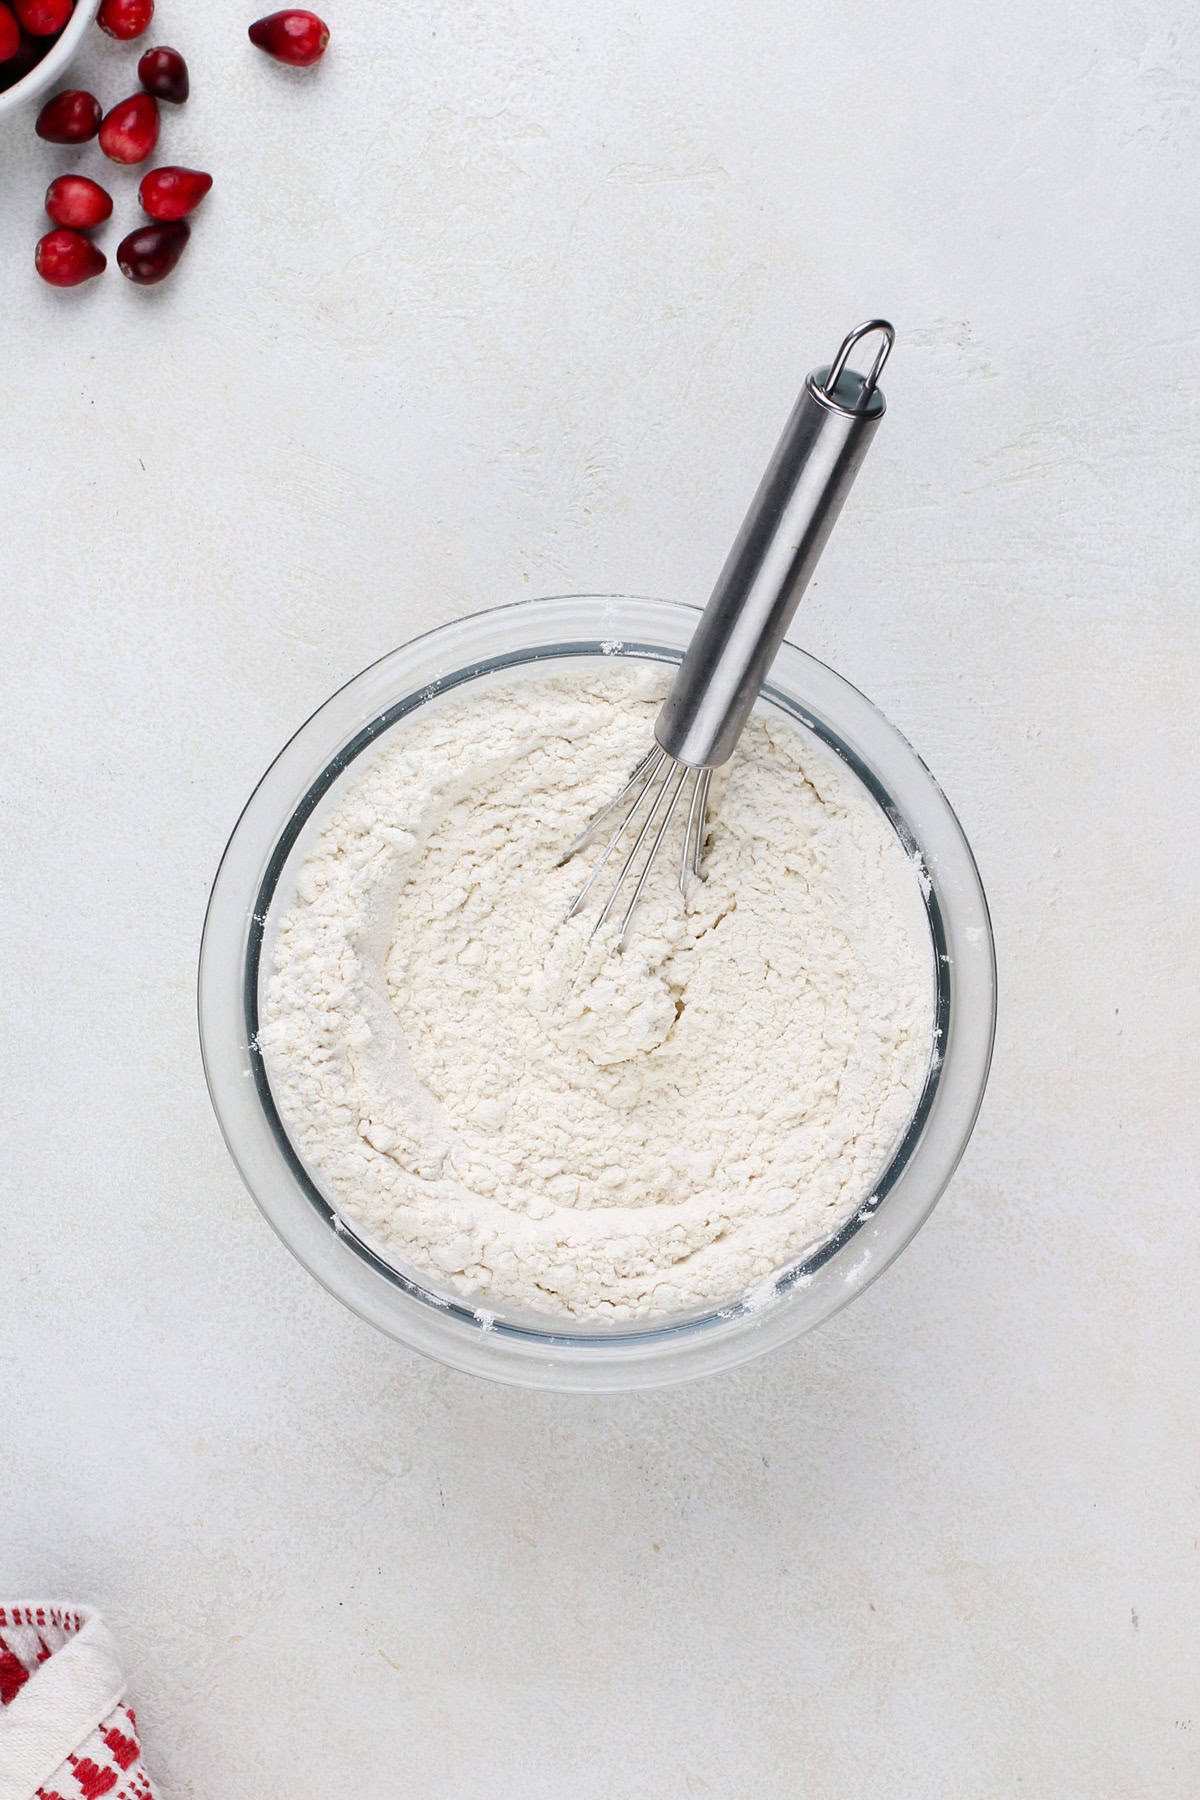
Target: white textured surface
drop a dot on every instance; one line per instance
(513, 298)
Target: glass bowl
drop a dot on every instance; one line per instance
(255, 885)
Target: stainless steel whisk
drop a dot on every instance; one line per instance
(743, 625)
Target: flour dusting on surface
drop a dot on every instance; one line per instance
(545, 1125)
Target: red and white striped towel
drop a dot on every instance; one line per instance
(65, 1731)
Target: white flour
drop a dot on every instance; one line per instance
(551, 1127)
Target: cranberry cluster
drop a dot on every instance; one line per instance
(128, 134)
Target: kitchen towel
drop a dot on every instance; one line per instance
(65, 1731)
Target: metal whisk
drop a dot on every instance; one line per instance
(742, 627)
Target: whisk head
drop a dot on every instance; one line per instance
(645, 807)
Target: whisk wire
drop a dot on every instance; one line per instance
(666, 788)
(661, 780)
(642, 779)
(653, 756)
(693, 835)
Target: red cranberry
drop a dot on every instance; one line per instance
(130, 131)
(171, 193)
(64, 258)
(70, 118)
(163, 73)
(149, 254)
(43, 18)
(291, 37)
(125, 19)
(10, 34)
(77, 201)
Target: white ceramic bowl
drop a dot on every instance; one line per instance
(255, 885)
(49, 72)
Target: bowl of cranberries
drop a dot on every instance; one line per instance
(38, 40)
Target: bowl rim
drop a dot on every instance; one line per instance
(56, 61)
(445, 1325)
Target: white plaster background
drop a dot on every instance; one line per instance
(511, 298)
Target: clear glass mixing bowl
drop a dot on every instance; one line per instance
(255, 885)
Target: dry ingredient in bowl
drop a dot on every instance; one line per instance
(548, 1126)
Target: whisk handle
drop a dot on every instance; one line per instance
(773, 556)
